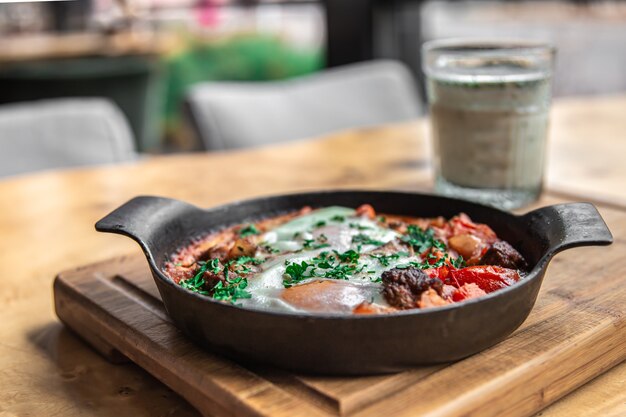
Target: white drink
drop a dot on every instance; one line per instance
(489, 121)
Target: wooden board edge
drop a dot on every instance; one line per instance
(84, 314)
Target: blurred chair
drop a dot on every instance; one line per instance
(228, 115)
(62, 133)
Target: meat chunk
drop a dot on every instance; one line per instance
(466, 245)
(462, 224)
(242, 247)
(402, 288)
(430, 298)
(366, 210)
(502, 254)
(216, 246)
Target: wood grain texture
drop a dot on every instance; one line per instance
(46, 225)
(586, 148)
(576, 332)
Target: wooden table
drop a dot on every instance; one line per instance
(46, 225)
(24, 48)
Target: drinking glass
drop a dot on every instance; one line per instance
(489, 103)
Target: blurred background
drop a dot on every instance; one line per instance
(147, 59)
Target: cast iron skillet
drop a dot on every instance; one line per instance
(350, 344)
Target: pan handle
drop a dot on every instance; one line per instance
(143, 219)
(569, 225)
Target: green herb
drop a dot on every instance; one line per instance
(342, 271)
(338, 218)
(214, 264)
(385, 259)
(458, 262)
(439, 263)
(311, 243)
(249, 260)
(422, 240)
(249, 230)
(376, 280)
(350, 256)
(231, 290)
(241, 264)
(382, 219)
(321, 223)
(324, 260)
(296, 272)
(324, 265)
(366, 240)
(426, 264)
(359, 226)
(196, 284)
(270, 249)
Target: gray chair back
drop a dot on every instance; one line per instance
(228, 115)
(62, 133)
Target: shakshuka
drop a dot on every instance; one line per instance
(344, 260)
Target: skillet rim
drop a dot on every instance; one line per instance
(532, 275)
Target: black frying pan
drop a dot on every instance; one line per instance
(353, 344)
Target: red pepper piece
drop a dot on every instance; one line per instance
(467, 291)
(488, 278)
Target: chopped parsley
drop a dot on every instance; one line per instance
(422, 240)
(334, 265)
(242, 264)
(270, 249)
(324, 260)
(458, 262)
(227, 290)
(319, 243)
(249, 230)
(342, 271)
(366, 240)
(385, 259)
(197, 283)
(359, 226)
(296, 272)
(231, 290)
(321, 223)
(214, 264)
(338, 218)
(426, 264)
(248, 260)
(350, 256)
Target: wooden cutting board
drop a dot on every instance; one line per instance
(576, 331)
